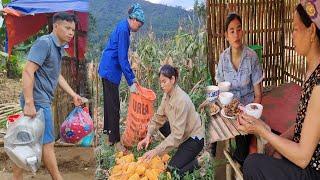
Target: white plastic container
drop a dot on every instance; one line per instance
(23, 141)
(212, 93)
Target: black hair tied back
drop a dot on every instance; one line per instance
(169, 71)
(231, 16)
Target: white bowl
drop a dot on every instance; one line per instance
(212, 93)
(225, 98)
(224, 86)
(254, 109)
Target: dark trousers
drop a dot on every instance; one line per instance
(185, 159)
(263, 167)
(241, 151)
(111, 102)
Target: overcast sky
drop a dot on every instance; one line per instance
(186, 4)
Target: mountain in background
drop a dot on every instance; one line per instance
(163, 20)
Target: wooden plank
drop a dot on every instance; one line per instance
(294, 78)
(273, 40)
(222, 129)
(219, 131)
(214, 134)
(7, 113)
(234, 165)
(260, 36)
(5, 108)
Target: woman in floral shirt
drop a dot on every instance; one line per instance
(239, 65)
(301, 153)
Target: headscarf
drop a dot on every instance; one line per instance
(137, 13)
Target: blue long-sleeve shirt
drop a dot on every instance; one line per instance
(114, 60)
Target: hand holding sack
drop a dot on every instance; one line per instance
(140, 111)
(23, 140)
(78, 127)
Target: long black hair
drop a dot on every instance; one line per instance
(306, 20)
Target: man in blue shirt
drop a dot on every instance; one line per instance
(40, 77)
(113, 63)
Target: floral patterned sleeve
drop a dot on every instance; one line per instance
(219, 71)
(257, 73)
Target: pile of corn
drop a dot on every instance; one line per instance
(127, 168)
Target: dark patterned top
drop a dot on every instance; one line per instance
(314, 80)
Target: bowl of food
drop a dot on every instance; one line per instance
(225, 98)
(231, 110)
(214, 109)
(224, 86)
(212, 93)
(254, 109)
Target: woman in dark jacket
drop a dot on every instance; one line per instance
(114, 61)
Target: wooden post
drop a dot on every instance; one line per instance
(96, 109)
(50, 23)
(282, 48)
(76, 39)
(228, 165)
(76, 54)
(210, 60)
(62, 104)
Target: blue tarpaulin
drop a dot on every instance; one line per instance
(30, 7)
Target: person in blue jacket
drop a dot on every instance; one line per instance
(113, 63)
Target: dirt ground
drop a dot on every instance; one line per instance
(82, 175)
(9, 90)
(75, 163)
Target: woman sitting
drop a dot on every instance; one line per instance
(178, 121)
(301, 154)
(239, 65)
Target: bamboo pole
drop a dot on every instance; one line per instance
(210, 60)
(272, 41)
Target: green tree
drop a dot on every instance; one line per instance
(200, 10)
(14, 65)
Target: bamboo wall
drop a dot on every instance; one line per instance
(295, 66)
(265, 22)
